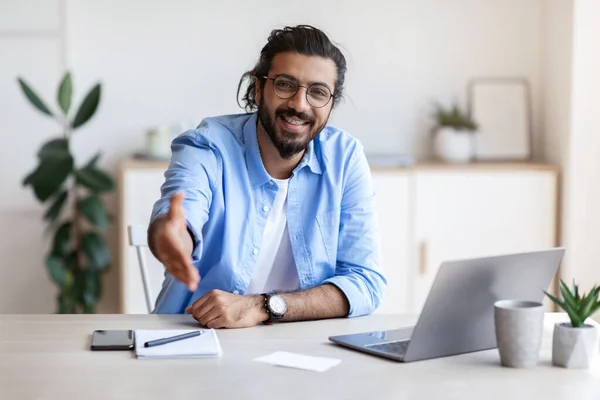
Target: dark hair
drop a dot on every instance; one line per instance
(301, 39)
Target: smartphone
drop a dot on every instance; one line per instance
(113, 340)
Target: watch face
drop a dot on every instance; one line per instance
(277, 305)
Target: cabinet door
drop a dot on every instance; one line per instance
(464, 214)
(392, 202)
(140, 189)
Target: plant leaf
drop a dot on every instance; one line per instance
(61, 245)
(94, 211)
(586, 305)
(572, 312)
(66, 303)
(91, 289)
(96, 250)
(573, 315)
(65, 91)
(87, 289)
(56, 207)
(576, 291)
(94, 283)
(555, 300)
(50, 175)
(94, 179)
(454, 117)
(58, 271)
(595, 304)
(34, 98)
(54, 148)
(29, 178)
(568, 296)
(576, 320)
(93, 161)
(79, 285)
(72, 261)
(88, 107)
(88, 307)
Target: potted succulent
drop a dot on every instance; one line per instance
(575, 344)
(453, 134)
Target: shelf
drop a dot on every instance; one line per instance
(420, 166)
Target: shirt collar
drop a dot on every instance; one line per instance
(256, 169)
(310, 159)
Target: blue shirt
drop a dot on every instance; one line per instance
(228, 195)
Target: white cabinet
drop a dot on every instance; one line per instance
(426, 215)
(392, 190)
(464, 214)
(139, 189)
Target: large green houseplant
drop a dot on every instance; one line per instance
(75, 213)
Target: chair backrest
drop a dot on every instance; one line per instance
(138, 235)
(138, 238)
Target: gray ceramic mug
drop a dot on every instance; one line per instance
(519, 327)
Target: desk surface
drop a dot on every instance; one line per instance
(47, 357)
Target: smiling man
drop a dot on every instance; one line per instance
(269, 216)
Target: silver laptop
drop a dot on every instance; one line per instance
(458, 315)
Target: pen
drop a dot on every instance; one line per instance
(171, 339)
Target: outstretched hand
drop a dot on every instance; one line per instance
(170, 245)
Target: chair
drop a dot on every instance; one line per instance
(139, 239)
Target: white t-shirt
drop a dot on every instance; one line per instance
(275, 269)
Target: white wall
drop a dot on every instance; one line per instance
(583, 223)
(556, 66)
(555, 101)
(182, 61)
(179, 61)
(30, 45)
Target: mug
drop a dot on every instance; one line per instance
(519, 326)
(158, 142)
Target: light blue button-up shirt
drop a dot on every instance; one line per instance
(330, 212)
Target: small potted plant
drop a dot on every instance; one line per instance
(453, 134)
(575, 344)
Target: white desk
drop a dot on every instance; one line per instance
(47, 357)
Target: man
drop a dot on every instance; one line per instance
(268, 216)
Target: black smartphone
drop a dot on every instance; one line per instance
(113, 340)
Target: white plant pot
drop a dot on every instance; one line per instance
(574, 348)
(453, 146)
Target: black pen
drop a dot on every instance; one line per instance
(171, 339)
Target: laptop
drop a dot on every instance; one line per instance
(458, 315)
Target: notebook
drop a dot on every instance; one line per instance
(205, 345)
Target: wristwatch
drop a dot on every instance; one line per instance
(275, 307)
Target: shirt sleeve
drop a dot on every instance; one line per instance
(358, 268)
(194, 170)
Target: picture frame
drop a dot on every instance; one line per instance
(501, 107)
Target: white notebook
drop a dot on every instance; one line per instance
(205, 345)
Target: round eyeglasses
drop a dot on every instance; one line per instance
(317, 94)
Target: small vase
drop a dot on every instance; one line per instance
(574, 348)
(454, 146)
(158, 142)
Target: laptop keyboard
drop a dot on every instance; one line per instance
(399, 347)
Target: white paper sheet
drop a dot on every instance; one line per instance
(301, 361)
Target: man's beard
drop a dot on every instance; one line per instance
(286, 143)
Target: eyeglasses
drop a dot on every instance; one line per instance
(285, 87)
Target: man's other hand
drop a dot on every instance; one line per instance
(219, 309)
